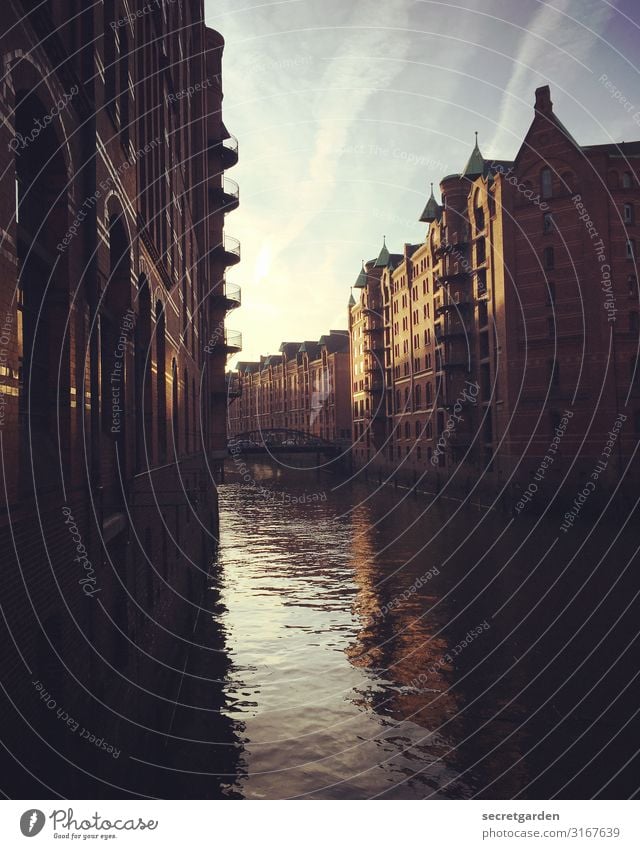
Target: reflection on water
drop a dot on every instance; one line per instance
(373, 644)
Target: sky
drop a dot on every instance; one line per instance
(346, 111)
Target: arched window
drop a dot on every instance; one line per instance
(627, 182)
(43, 283)
(109, 42)
(407, 430)
(546, 183)
(187, 412)
(429, 430)
(429, 395)
(161, 382)
(194, 426)
(142, 363)
(548, 257)
(478, 211)
(123, 93)
(175, 413)
(418, 430)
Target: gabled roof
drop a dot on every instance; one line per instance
(544, 111)
(335, 341)
(246, 367)
(311, 348)
(290, 349)
(272, 360)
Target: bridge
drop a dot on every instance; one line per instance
(283, 440)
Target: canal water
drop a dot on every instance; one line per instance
(359, 642)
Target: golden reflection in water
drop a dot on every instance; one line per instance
(398, 643)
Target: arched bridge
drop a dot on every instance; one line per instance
(280, 440)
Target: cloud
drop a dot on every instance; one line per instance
(555, 49)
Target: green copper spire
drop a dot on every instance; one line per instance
(361, 281)
(431, 210)
(475, 165)
(383, 256)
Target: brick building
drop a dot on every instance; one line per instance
(303, 388)
(520, 306)
(112, 279)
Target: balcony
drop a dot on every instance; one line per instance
(234, 386)
(373, 328)
(378, 413)
(449, 330)
(226, 149)
(228, 296)
(230, 152)
(454, 364)
(225, 198)
(229, 342)
(453, 306)
(227, 251)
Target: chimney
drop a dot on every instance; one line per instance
(543, 100)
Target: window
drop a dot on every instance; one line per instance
(429, 430)
(632, 285)
(429, 394)
(547, 223)
(613, 179)
(628, 213)
(634, 326)
(161, 381)
(631, 248)
(407, 431)
(417, 430)
(548, 257)
(546, 185)
(175, 423)
(123, 94)
(551, 327)
(554, 372)
(109, 55)
(552, 293)
(626, 180)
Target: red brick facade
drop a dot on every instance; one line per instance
(304, 388)
(113, 349)
(520, 306)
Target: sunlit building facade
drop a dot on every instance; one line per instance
(304, 389)
(505, 346)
